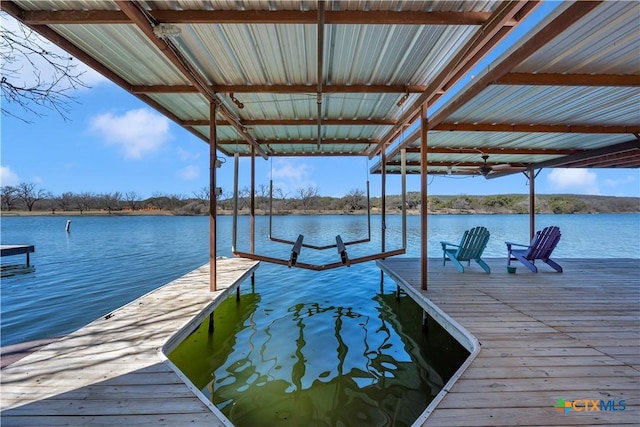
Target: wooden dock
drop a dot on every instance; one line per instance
(114, 371)
(8, 250)
(535, 338)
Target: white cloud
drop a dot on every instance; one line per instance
(8, 177)
(136, 133)
(289, 175)
(28, 70)
(619, 182)
(579, 180)
(186, 155)
(189, 173)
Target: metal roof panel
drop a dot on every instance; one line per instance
(594, 106)
(606, 41)
(126, 51)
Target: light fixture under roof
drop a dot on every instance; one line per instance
(165, 31)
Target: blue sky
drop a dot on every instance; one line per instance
(114, 142)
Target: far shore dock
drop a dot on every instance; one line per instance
(9, 250)
(534, 338)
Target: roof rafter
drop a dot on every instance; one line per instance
(261, 17)
(548, 79)
(435, 163)
(305, 142)
(623, 148)
(526, 128)
(313, 141)
(524, 151)
(626, 159)
(312, 154)
(288, 89)
(630, 151)
(495, 150)
(296, 122)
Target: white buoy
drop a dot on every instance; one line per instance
(68, 226)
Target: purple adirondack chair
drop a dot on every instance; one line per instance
(541, 247)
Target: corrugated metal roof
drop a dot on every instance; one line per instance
(378, 67)
(126, 51)
(588, 106)
(604, 42)
(49, 5)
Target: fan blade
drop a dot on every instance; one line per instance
(501, 166)
(507, 167)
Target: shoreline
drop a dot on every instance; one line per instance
(374, 211)
(436, 205)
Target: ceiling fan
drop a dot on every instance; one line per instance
(486, 169)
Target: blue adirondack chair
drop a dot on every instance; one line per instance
(470, 248)
(541, 247)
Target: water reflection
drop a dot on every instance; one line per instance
(16, 269)
(317, 364)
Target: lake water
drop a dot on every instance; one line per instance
(108, 261)
(318, 340)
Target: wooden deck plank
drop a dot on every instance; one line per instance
(544, 336)
(484, 361)
(114, 370)
(543, 371)
(145, 420)
(509, 417)
(518, 399)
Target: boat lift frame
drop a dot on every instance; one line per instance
(344, 261)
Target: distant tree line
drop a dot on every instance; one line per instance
(29, 197)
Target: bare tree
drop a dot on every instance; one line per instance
(243, 197)
(51, 201)
(29, 194)
(307, 196)
(176, 200)
(84, 201)
(159, 200)
(355, 199)
(65, 201)
(225, 200)
(9, 195)
(203, 195)
(263, 194)
(111, 201)
(34, 77)
(281, 196)
(132, 198)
